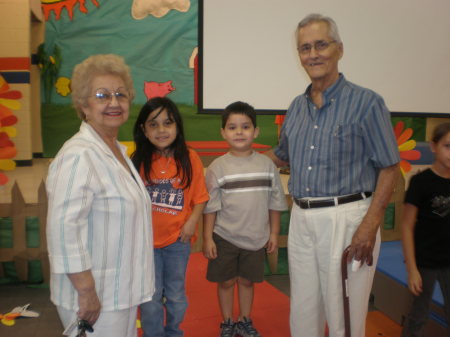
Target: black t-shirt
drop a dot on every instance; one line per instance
(430, 193)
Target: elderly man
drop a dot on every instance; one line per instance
(339, 143)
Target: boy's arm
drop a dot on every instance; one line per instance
(189, 226)
(209, 247)
(407, 226)
(274, 218)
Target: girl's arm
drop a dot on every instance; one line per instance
(209, 247)
(407, 225)
(189, 226)
(274, 217)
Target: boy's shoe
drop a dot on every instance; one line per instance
(228, 328)
(245, 328)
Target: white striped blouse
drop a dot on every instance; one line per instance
(99, 219)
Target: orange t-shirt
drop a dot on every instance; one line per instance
(171, 205)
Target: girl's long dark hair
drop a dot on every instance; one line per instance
(145, 150)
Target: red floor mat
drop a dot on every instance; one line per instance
(270, 307)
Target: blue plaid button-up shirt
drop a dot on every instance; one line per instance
(339, 148)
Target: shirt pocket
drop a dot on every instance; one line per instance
(347, 143)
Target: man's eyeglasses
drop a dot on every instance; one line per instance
(83, 326)
(104, 96)
(318, 46)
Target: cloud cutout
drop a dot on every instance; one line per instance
(157, 8)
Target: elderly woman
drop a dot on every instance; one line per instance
(99, 214)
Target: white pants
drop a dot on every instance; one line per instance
(121, 323)
(316, 241)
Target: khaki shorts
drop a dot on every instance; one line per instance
(233, 261)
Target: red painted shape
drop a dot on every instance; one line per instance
(14, 94)
(196, 79)
(155, 89)
(57, 7)
(9, 120)
(15, 63)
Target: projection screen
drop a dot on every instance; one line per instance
(398, 48)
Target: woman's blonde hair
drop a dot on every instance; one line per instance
(96, 65)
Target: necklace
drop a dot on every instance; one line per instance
(163, 169)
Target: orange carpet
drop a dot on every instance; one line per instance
(379, 325)
(270, 307)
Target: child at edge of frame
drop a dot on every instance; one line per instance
(241, 219)
(426, 234)
(173, 176)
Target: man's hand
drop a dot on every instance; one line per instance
(364, 238)
(363, 242)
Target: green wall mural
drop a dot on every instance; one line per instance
(157, 38)
(159, 50)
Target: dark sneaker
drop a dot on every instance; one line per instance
(227, 328)
(245, 328)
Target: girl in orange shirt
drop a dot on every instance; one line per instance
(173, 176)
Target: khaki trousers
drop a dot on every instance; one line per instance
(317, 239)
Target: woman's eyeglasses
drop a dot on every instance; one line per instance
(104, 96)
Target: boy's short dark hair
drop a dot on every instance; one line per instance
(239, 108)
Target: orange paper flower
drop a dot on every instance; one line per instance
(9, 100)
(405, 146)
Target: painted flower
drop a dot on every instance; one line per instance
(8, 102)
(405, 147)
(49, 66)
(62, 86)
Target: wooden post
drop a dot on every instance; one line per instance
(19, 232)
(42, 214)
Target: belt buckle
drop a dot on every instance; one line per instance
(336, 201)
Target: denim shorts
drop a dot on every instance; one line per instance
(233, 261)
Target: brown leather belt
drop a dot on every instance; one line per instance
(307, 203)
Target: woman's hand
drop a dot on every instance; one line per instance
(88, 301)
(89, 306)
